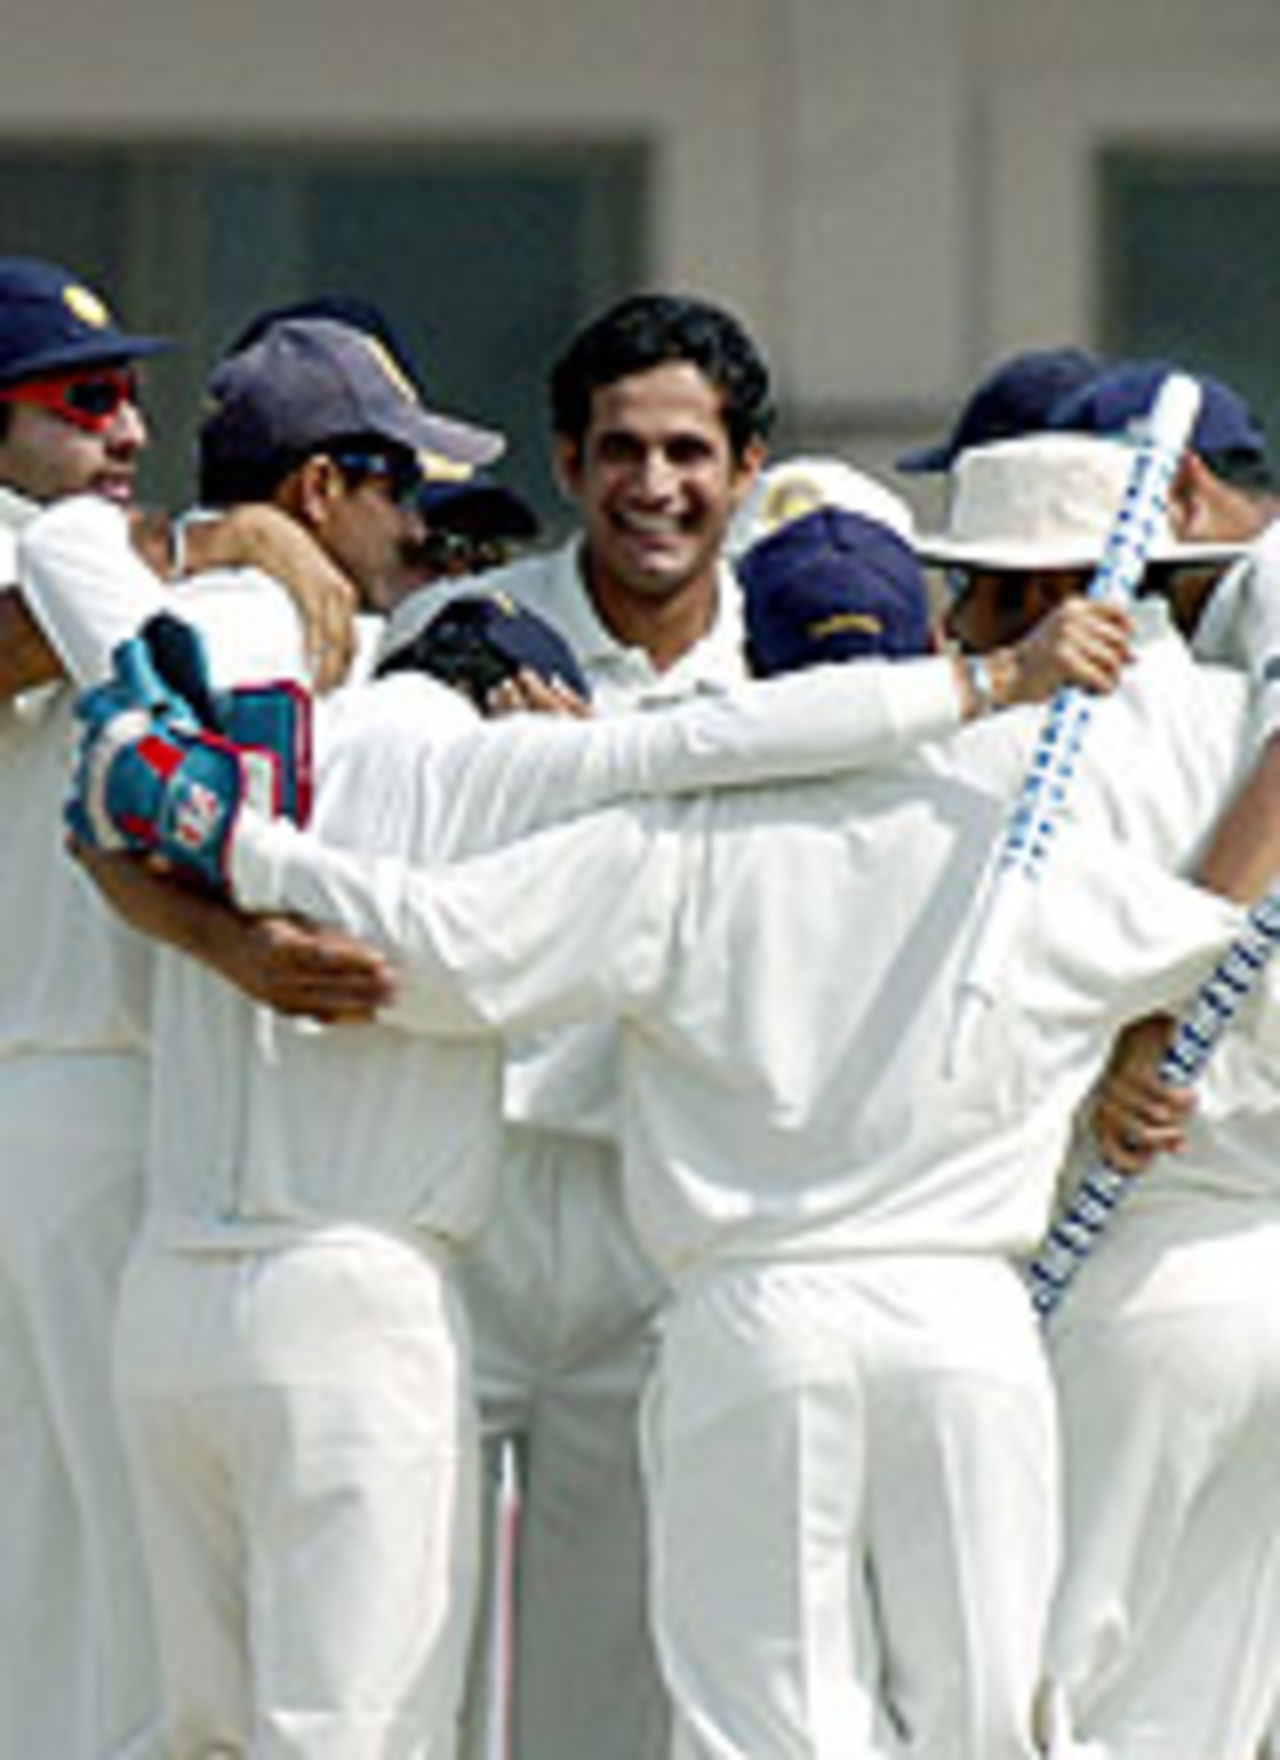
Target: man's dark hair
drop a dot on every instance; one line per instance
(225, 481)
(226, 477)
(652, 330)
(1241, 468)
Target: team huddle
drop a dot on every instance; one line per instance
(506, 1253)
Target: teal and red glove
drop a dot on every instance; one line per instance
(166, 761)
(165, 667)
(145, 785)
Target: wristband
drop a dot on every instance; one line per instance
(981, 682)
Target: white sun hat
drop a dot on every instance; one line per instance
(1045, 501)
(795, 486)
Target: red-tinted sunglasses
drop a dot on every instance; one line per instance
(91, 400)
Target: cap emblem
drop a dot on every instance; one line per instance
(390, 368)
(86, 306)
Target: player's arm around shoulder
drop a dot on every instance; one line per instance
(27, 657)
(294, 967)
(259, 536)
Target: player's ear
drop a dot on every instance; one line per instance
(310, 491)
(746, 468)
(1190, 498)
(566, 460)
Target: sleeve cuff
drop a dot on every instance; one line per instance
(259, 855)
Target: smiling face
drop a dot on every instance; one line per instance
(656, 482)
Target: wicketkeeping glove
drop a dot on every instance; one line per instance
(164, 671)
(272, 718)
(145, 785)
(166, 761)
(173, 657)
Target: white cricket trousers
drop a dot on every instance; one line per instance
(852, 1471)
(563, 1311)
(1165, 1637)
(300, 1429)
(77, 1669)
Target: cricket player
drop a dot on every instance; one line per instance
(1164, 1623)
(850, 1443)
(1167, 1617)
(661, 408)
(87, 588)
(76, 1676)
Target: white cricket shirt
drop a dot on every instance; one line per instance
(784, 959)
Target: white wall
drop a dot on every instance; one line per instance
(893, 192)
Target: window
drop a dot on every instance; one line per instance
(1191, 265)
(484, 257)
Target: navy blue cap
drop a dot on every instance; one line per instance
(308, 381)
(51, 323)
(479, 640)
(1117, 400)
(343, 308)
(1014, 398)
(478, 506)
(832, 585)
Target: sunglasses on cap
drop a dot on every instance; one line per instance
(398, 473)
(90, 400)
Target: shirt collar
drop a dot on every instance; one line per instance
(714, 661)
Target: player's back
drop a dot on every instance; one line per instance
(793, 1091)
